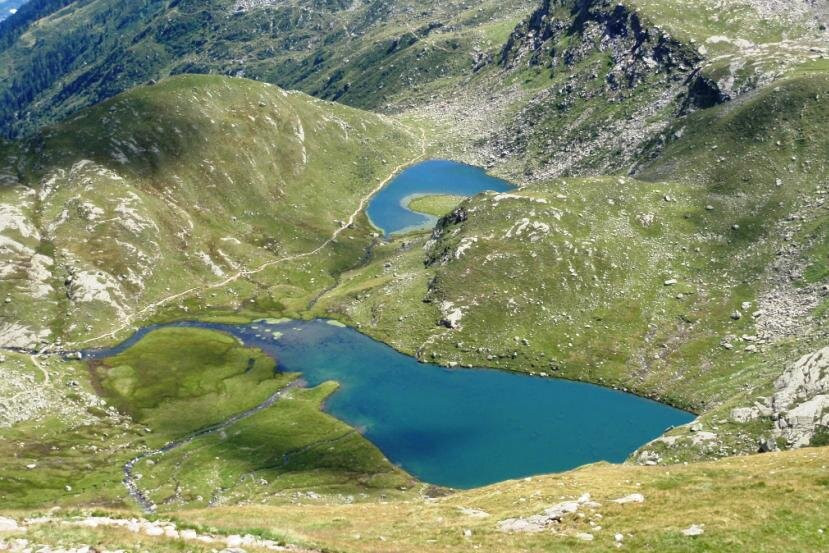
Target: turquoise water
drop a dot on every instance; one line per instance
(387, 209)
(456, 427)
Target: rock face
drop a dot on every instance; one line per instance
(800, 405)
(646, 69)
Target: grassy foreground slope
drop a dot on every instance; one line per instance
(198, 185)
(768, 503)
(760, 503)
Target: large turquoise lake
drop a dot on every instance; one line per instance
(387, 209)
(455, 427)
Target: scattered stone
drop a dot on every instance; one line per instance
(550, 515)
(744, 414)
(632, 498)
(670, 282)
(584, 536)
(649, 458)
(693, 530)
(451, 315)
(736, 315)
(8, 525)
(764, 445)
(473, 513)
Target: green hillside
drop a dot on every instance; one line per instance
(668, 236)
(199, 187)
(361, 53)
(666, 284)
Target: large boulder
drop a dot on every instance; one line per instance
(800, 405)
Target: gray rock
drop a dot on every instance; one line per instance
(744, 414)
(693, 530)
(799, 406)
(632, 498)
(8, 525)
(800, 403)
(550, 515)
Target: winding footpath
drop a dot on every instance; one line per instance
(129, 319)
(131, 482)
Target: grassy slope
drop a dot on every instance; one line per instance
(768, 503)
(364, 54)
(187, 379)
(181, 185)
(592, 303)
(175, 381)
(70, 447)
(437, 204)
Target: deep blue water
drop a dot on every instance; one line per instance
(387, 209)
(456, 427)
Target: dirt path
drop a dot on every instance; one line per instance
(41, 368)
(247, 272)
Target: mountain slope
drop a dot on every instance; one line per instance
(696, 282)
(361, 53)
(169, 190)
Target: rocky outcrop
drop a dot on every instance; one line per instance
(799, 407)
(703, 93)
(635, 48)
(596, 52)
(438, 249)
(550, 516)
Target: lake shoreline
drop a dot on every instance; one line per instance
(413, 410)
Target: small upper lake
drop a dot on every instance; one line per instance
(388, 209)
(455, 427)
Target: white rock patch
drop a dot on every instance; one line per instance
(465, 244)
(534, 230)
(16, 335)
(207, 260)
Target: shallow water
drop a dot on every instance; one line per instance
(456, 427)
(387, 209)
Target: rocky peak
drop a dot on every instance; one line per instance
(561, 33)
